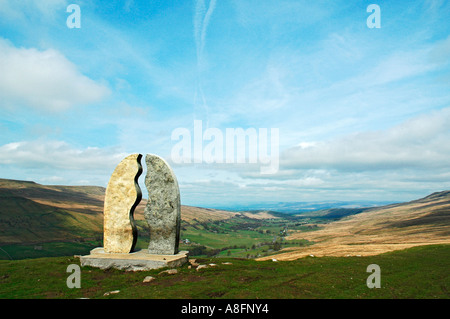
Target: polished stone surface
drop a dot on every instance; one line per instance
(122, 196)
(163, 209)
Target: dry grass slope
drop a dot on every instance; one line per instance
(30, 212)
(421, 222)
(260, 215)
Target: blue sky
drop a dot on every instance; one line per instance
(363, 113)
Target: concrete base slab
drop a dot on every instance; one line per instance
(136, 261)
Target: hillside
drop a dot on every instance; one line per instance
(35, 213)
(69, 219)
(426, 276)
(420, 222)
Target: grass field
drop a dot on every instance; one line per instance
(419, 272)
(51, 249)
(238, 236)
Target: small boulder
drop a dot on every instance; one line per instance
(111, 292)
(193, 262)
(169, 272)
(148, 279)
(201, 267)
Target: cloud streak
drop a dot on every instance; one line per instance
(201, 21)
(202, 18)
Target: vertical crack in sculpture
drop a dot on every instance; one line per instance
(122, 196)
(163, 210)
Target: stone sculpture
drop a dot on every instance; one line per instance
(163, 210)
(122, 196)
(162, 213)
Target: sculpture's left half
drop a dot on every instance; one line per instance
(122, 196)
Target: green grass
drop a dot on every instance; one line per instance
(53, 249)
(420, 272)
(214, 240)
(240, 236)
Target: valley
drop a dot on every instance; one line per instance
(46, 221)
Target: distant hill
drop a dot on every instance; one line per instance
(190, 214)
(35, 213)
(377, 230)
(305, 208)
(30, 212)
(334, 213)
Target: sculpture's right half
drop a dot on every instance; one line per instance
(163, 209)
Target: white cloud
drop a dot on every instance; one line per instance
(44, 80)
(404, 162)
(421, 142)
(49, 155)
